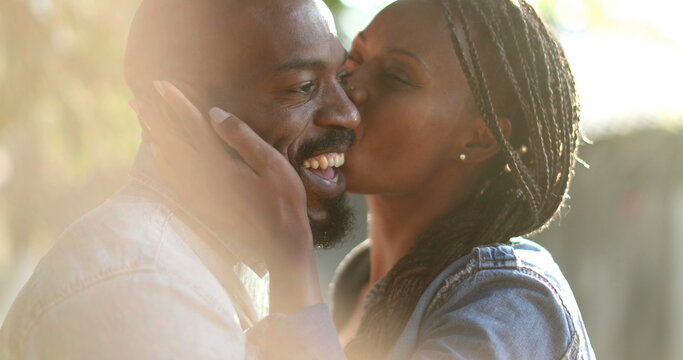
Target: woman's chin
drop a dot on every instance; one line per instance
(362, 177)
(353, 182)
(360, 184)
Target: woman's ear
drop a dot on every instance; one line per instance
(482, 144)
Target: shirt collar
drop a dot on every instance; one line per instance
(145, 173)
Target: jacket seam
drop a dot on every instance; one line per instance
(162, 239)
(575, 340)
(473, 266)
(101, 278)
(450, 282)
(116, 276)
(206, 299)
(93, 280)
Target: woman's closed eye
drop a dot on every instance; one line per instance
(352, 62)
(397, 77)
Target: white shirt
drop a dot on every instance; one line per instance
(131, 280)
(112, 289)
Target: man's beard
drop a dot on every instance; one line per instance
(328, 233)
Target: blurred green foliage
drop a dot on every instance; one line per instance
(64, 122)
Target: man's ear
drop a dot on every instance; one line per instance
(482, 144)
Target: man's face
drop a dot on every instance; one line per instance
(284, 82)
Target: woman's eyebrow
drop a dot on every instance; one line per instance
(399, 51)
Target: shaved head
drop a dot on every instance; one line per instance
(178, 38)
(199, 41)
(275, 64)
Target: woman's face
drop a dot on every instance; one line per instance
(413, 97)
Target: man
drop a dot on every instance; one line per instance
(141, 277)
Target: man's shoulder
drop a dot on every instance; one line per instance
(140, 314)
(132, 215)
(131, 238)
(125, 233)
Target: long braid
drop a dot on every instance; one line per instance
(484, 102)
(524, 188)
(488, 111)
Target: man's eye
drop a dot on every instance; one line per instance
(305, 88)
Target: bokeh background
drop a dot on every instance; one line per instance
(67, 140)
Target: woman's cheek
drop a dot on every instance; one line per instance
(392, 150)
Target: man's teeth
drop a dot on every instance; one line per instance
(325, 161)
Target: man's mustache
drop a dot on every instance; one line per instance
(332, 140)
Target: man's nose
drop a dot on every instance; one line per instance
(339, 112)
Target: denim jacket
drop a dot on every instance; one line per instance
(499, 302)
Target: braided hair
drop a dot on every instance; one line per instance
(523, 186)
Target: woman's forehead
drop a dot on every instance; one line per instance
(417, 26)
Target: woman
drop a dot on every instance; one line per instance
(468, 140)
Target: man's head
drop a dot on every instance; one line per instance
(273, 63)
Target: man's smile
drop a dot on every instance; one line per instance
(319, 163)
(321, 176)
(325, 165)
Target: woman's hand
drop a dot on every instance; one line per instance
(258, 199)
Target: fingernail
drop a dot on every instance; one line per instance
(218, 115)
(160, 87)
